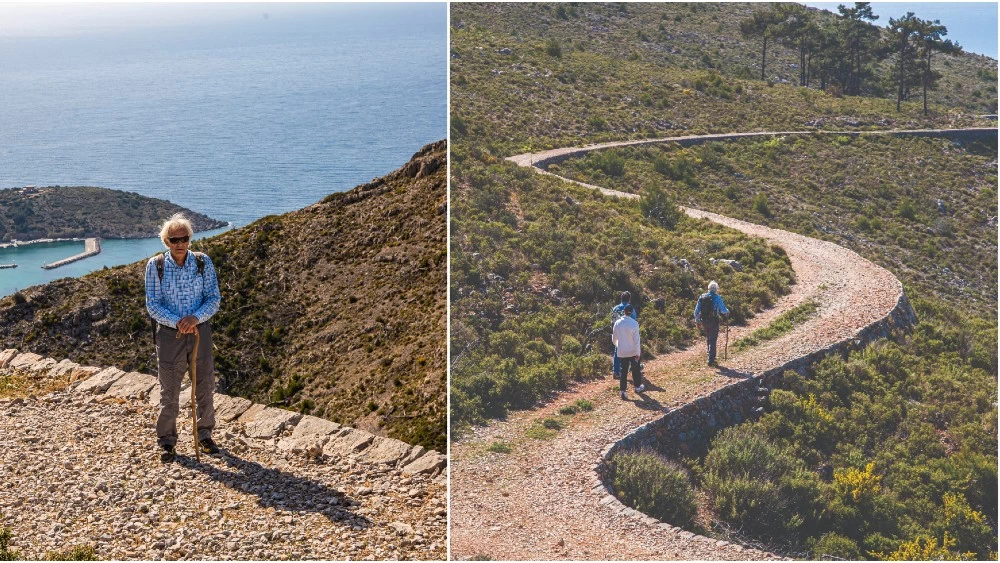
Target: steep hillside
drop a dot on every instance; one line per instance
(530, 76)
(924, 208)
(336, 310)
(886, 452)
(67, 212)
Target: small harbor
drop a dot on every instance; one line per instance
(92, 247)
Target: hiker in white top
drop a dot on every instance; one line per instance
(625, 337)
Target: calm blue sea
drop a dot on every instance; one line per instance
(249, 111)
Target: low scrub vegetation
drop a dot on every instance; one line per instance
(537, 264)
(888, 453)
(781, 325)
(524, 78)
(924, 208)
(653, 485)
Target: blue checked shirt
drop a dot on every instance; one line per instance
(183, 292)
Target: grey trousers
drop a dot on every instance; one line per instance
(172, 357)
(712, 337)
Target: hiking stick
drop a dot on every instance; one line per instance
(727, 341)
(194, 388)
(193, 369)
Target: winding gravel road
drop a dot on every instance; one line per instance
(539, 502)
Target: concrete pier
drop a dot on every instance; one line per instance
(92, 247)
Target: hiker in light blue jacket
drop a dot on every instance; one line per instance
(707, 313)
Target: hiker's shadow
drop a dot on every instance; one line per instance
(735, 374)
(278, 489)
(645, 402)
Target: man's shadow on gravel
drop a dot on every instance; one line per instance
(735, 374)
(644, 401)
(277, 489)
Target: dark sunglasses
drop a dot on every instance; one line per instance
(178, 240)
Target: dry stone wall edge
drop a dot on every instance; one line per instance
(688, 429)
(258, 421)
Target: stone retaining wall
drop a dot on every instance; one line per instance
(687, 430)
(279, 428)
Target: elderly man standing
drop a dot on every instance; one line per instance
(707, 313)
(182, 293)
(625, 337)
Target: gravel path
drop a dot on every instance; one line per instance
(81, 468)
(539, 502)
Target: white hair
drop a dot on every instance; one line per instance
(713, 287)
(177, 220)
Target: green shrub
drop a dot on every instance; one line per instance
(552, 424)
(761, 206)
(584, 405)
(7, 554)
(539, 432)
(906, 209)
(568, 410)
(833, 545)
(553, 49)
(780, 326)
(458, 125)
(657, 206)
(499, 448)
(756, 485)
(610, 162)
(653, 485)
(597, 123)
(84, 553)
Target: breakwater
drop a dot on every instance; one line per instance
(17, 243)
(92, 247)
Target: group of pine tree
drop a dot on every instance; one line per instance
(844, 54)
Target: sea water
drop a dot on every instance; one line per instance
(261, 110)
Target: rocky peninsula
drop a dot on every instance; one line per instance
(61, 212)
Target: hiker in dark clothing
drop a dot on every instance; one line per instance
(616, 313)
(708, 313)
(182, 293)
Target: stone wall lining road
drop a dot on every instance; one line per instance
(285, 430)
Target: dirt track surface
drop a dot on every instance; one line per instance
(82, 470)
(538, 502)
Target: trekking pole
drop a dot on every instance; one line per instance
(194, 397)
(727, 340)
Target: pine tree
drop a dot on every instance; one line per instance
(905, 73)
(859, 38)
(766, 25)
(929, 37)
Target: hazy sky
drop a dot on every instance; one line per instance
(60, 19)
(972, 24)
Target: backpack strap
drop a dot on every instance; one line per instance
(199, 259)
(160, 259)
